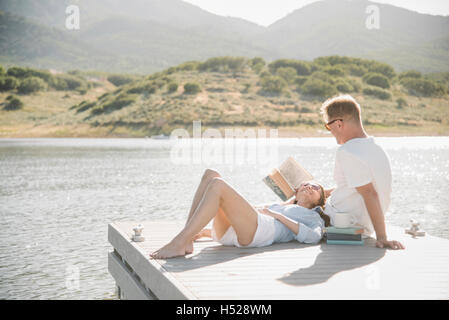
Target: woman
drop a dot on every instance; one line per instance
(237, 222)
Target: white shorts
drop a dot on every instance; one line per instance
(264, 235)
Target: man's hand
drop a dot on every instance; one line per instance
(371, 199)
(384, 243)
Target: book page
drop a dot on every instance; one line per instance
(294, 173)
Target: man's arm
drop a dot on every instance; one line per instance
(372, 203)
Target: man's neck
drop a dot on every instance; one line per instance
(360, 133)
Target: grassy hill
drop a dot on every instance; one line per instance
(222, 92)
(145, 36)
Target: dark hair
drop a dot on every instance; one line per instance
(320, 207)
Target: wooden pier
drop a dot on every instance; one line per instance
(281, 271)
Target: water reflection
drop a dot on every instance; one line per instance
(58, 195)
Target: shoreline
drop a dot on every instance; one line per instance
(86, 131)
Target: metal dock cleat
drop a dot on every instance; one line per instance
(414, 229)
(137, 236)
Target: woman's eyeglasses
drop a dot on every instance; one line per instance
(312, 185)
(327, 125)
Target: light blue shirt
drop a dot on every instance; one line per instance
(310, 223)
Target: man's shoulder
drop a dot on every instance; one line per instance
(361, 147)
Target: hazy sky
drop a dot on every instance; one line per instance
(265, 12)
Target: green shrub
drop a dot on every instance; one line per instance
(117, 104)
(246, 87)
(302, 68)
(381, 68)
(2, 70)
(410, 74)
(334, 71)
(377, 92)
(287, 73)
(21, 73)
(299, 80)
(356, 86)
(423, 87)
(8, 83)
(192, 88)
(343, 86)
(257, 64)
(401, 103)
(306, 110)
(356, 70)
(18, 72)
(85, 105)
(32, 84)
(68, 82)
(359, 65)
(223, 64)
(144, 87)
(14, 104)
(59, 84)
(317, 88)
(323, 76)
(120, 79)
(172, 87)
(188, 66)
(376, 79)
(272, 85)
(333, 60)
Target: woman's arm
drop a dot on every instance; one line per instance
(303, 233)
(289, 223)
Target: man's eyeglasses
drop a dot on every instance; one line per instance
(327, 125)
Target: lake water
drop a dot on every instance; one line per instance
(57, 197)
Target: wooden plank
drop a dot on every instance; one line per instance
(292, 270)
(125, 280)
(155, 277)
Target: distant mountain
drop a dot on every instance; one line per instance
(134, 36)
(150, 35)
(338, 27)
(30, 44)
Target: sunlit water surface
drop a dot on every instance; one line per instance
(57, 197)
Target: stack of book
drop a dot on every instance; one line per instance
(351, 235)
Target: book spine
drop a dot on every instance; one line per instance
(357, 243)
(344, 230)
(343, 236)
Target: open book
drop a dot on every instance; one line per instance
(289, 176)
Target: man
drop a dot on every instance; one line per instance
(362, 170)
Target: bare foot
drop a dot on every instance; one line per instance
(189, 248)
(170, 250)
(202, 234)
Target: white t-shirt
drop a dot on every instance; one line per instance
(358, 162)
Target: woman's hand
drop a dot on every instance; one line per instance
(268, 212)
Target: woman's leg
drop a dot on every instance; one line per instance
(207, 177)
(241, 215)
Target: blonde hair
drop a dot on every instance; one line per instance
(342, 106)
